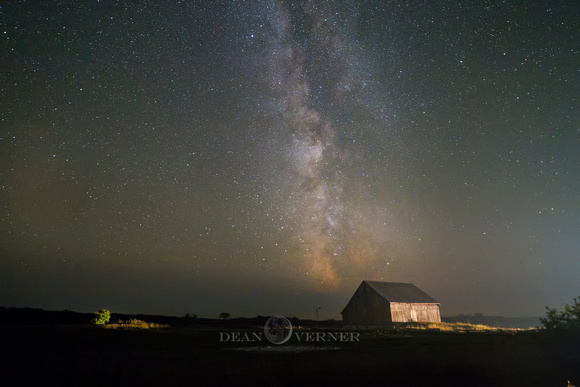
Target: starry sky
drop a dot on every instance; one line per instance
(266, 156)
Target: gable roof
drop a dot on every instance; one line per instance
(401, 292)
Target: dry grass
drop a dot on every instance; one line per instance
(405, 329)
(459, 327)
(134, 324)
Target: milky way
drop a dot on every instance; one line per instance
(309, 69)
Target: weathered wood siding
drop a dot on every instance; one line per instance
(366, 307)
(406, 312)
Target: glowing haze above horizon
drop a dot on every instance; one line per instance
(264, 157)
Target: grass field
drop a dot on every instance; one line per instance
(190, 356)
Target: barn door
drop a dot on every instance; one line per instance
(413, 315)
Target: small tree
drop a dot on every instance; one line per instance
(103, 316)
(566, 319)
(224, 316)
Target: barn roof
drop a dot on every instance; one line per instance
(401, 292)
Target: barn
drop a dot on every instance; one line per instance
(381, 303)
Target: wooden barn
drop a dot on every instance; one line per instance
(381, 303)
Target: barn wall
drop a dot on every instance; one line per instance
(366, 307)
(406, 312)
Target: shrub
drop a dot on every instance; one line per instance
(103, 316)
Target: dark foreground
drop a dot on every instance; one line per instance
(88, 356)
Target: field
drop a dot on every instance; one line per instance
(90, 356)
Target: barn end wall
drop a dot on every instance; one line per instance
(366, 307)
(405, 312)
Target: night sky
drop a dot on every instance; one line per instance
(264, 157)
